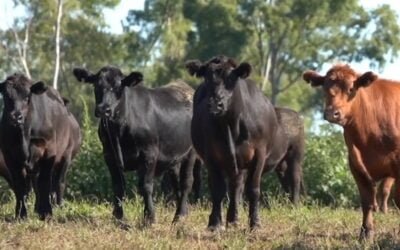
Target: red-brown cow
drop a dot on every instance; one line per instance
(368, 108)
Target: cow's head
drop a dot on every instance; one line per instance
(109, 84)
(17, 90)
(221, 74)
(340, 87)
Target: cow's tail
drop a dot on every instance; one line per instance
(232, 151)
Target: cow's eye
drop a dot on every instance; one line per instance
(351, 91)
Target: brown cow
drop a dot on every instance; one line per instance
(368, 109)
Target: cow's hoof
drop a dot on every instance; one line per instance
(45, 216)
(118, 213)
(254, 226)
(233, 224)
(215, 228)
(366, 234)
(123, 225)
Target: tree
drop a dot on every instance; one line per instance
(290, 36)
(84, 42)
(162, 32)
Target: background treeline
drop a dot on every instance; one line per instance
(280, 39)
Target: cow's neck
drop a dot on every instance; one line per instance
(233, 118)
(371, 123)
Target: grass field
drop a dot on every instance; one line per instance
(88, 225)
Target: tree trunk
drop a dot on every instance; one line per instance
(58, 28)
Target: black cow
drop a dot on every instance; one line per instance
(289, 170)
(236, 132)
(142, 129)
(36, 132)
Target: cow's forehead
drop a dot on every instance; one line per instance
(341, 75)
(109, 75)
(18, 83)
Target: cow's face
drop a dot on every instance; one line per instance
(221, 75)
(340, 87)
(17, 90)
(108, 84)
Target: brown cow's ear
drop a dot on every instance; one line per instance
(195, 68)
(314, 78)
(38, 88)
(83, 75)
(243, 70)
(132, 79)
(365, 79)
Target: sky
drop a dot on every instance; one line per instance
(114, 17)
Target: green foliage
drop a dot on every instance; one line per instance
(326, 172)
(89, 175)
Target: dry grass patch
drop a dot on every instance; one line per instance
(85, 225)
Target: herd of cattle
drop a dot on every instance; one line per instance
(227, 123)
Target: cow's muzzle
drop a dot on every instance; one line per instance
(103, 111)
(216, 107)
(17, 118)
(332, 115)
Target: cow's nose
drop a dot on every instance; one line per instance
(107, 111)
(336, 114)
(18, 117)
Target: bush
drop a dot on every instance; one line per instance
(326, 172)
(327, 177)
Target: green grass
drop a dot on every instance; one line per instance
(88, 225)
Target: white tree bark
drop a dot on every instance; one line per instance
(267, 69)
(58, 28)
(22, 47)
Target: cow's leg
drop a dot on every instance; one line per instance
(367, 189)
(384, 192)
(59, 181)
(396, 193)
(217, 188)
(174, 180)
(186, 183)
(296, 177)
(118, 185)
(235, 191)
(197, 180)
(20, 191)
(253, 188)
(282, 172)
(44, 188)
(146, 176)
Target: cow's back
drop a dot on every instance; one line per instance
(158, 117)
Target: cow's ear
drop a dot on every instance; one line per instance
(38, 88)
(365, 79)
(132, 79)
(195, 68)
(243, 70)
(313, 78)
(83, 75)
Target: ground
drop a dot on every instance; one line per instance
(89, 225)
